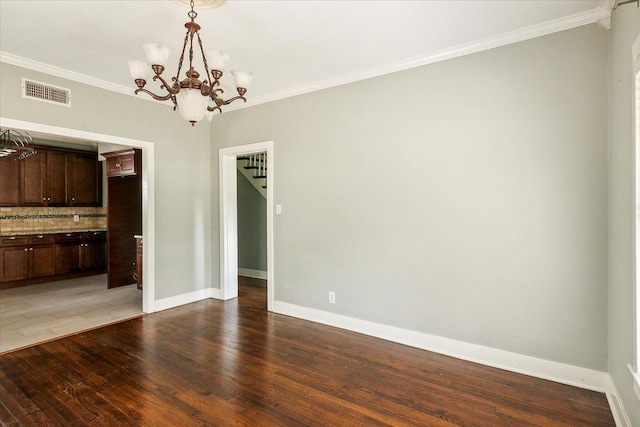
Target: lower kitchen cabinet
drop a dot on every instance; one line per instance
(68, 257)
(14, 263)
(94, 255)
(26, 260)
(41, 261)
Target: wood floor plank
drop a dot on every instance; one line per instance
(233, 363)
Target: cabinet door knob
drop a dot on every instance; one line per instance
(25, 249)
(44, 198)
(48, 198)
(30, 249)
(73, 199)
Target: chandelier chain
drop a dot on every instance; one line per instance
(186, 40)
(204, 60)
(192, 14)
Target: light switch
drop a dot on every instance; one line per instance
(278, 209)
(76, 218)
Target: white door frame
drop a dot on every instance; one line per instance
(229, 218)
(148, 203)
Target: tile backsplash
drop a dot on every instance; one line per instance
(42, 219)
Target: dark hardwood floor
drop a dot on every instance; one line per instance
(232, 363)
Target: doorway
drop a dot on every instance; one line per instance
(148, 217)
(228, 158)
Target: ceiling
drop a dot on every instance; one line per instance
(292, 46)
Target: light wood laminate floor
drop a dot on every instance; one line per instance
(39, 313)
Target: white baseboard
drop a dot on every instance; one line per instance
(182, 299)
(256, 274)
(617, 409)
(532, 366)
(216, 293)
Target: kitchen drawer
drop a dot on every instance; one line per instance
(14, 240)
(68, 237)
(40, 239)
(95, 235)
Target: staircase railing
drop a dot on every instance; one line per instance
(258, 163)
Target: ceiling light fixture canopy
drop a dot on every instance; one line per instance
(192, 97)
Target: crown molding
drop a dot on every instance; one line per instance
(600, 15)
(534, 31)
(30, 64)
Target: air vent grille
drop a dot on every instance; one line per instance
(46, 92)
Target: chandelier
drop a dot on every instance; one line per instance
(15, 144)
(192, 97)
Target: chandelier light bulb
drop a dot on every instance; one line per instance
(243, 80)
(217, 59)
(157, 54)
(192, 105)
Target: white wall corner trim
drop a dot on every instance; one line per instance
(584, 18)
(617, 410)
(554, 371)
(256, 274)
(182, 299)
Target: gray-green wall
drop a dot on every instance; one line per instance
(466, 199)
(182, 158)
(252, 226)
(625, 27)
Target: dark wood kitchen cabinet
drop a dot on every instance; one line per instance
(53, 177)
(44, 178)
(9, 179)
(94, 251)
(57, 178)
(85, 180)
(68, 250)
(31, 261)
(32, 180)
(124, 219)
(81, 252)
(26, 260)
(124, 162)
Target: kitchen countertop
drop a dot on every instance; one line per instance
(35, 232)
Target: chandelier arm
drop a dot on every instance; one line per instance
(154, 96)
(230, 100)
(212, 109)
(165, 85)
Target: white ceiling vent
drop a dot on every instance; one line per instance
(46, 92)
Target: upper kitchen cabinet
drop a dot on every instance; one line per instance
(33, 187)
(124, 162)
(86, 180)
(57, 178)
(52, 177)
(9, 178)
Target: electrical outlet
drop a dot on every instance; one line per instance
(76, 218)
(332, 297)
